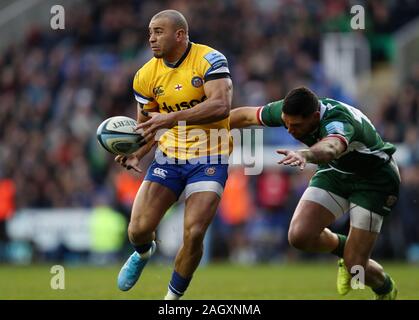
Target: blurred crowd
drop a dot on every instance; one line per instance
(57, 86)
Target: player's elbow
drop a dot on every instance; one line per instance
(223, 110)
(333, 149)
(327, 151)
(330, 154)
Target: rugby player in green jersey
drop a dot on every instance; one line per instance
(356, 174)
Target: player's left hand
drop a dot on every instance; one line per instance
(157, 121)
(129, 162)
(292, 158)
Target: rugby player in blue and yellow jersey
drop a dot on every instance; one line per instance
(185, 88)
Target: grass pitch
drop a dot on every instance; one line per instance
(308, 281)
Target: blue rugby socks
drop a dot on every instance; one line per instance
(177, 286)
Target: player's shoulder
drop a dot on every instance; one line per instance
(334, 109)
(208, 53)
(203, 49)
(146, 68)
(338, 118)
(274, 104)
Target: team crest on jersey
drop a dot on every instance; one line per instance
(391, 200)
(197, 82)
(158, 91)
(210, 171)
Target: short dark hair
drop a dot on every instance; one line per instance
(300, 101)
(177, 19)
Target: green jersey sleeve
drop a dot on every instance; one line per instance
(270, 114)
(341, 129)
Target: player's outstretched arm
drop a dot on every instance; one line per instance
(323, 151)
(244, 117)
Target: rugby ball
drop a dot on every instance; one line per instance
(117, 135)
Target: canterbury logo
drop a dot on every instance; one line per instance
(160, 173)
(158, 91)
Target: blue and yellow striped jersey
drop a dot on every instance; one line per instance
(177, 87)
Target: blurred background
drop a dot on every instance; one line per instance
(63, 199)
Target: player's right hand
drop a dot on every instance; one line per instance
(292, 158)
(129, 162)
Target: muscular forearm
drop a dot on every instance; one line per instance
(142, 118)
(142, 114)
(323, 151)
(140, 153)
(243, 117)
(206, 112)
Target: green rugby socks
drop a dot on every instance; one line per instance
(338, 251)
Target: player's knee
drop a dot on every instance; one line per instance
(298, 237)
(138, 232)
(194, 235)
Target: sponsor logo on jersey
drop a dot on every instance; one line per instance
(182, 105)
(210, 171)
(159, 172)
(330, 107)
(158, 91)
(214, 57)
(197, 82)
(335, 127)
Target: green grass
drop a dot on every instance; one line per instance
(215, 281)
